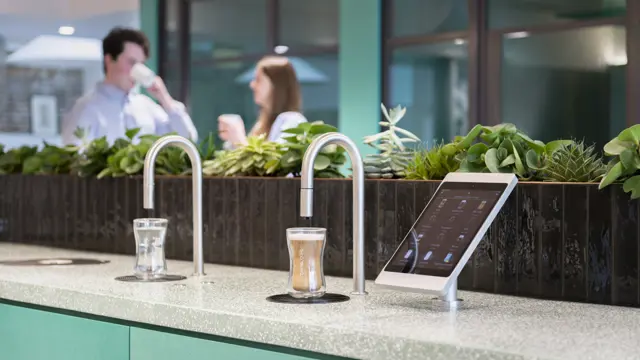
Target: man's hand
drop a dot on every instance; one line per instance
(159, 91)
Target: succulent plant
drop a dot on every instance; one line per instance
(505, 149)
(625, 166)
(259, 157)
(574, 162)
(393, 159)
(328, 161)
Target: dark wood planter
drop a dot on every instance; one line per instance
(552, 241)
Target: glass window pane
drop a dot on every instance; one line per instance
(227, 28)
(318, 77)
(566, 84)
(36, 92)
(308, 23)
(418, 17)
(432, 81)
(507, 13)
(171, 56)
(220, 88)
(223, 88)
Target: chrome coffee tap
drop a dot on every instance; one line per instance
(196, 176)
(306, 197)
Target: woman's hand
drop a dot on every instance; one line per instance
(231, 129)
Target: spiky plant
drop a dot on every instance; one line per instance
(434, 163)
(574, 162)
(393, 159)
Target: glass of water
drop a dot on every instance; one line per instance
(150, 260)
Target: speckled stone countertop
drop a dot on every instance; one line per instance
(383, 325)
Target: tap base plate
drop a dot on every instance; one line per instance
(324, 299)
(440, 304)
(165, 278)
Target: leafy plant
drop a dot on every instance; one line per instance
(175, 161)
(127, 158)
(393, 159)
(94, 155)
(626, 162)
(11, 161)
(572, 162)
(51, 160)
(328, 161)
(259, 157)
(503, 149)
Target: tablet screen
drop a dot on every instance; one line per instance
(445, 228)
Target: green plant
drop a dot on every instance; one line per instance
(626, 162)
(503, 149)
(393, 159)
(435, 163)
(174, 161)
(51, 160)
(11, 161)
(94, 155)
(328, 161)
(432, 164)
(127, 158)
(572, 162)
(259, 157)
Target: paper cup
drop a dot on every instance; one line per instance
(143, 75)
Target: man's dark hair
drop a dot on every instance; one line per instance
(113, 43)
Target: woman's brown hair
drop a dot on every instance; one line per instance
(285, 95)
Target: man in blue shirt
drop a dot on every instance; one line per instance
(114, 106)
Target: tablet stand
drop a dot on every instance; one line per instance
(449, 301)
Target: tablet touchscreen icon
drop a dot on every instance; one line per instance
(448, 258)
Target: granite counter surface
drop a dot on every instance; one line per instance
(230, 302)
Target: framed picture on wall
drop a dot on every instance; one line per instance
(44, 115)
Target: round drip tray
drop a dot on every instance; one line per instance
(324, 299)
(54, 262)
(166, 278)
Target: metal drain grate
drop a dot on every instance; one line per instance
(325, 299)
(54, 262)
(166, 278)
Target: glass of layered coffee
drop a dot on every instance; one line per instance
(306, 253)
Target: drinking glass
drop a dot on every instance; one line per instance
(150, 260)
(306, 253)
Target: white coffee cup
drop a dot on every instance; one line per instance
(231, 119)
(143, 75)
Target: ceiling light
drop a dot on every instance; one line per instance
(518, 35)
(459, 41)
(66, 30)
(281, 49)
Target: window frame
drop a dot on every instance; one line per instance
(485, 56)
(183, 62)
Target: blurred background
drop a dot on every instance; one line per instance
(555, 68)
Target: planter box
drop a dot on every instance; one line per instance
(552, 241)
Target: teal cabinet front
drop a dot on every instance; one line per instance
(155, 345)
(29, 334)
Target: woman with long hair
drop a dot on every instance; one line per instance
(277, 92)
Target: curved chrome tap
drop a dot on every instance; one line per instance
(196, 176)
(306, 197)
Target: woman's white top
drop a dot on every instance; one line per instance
(284, 121)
